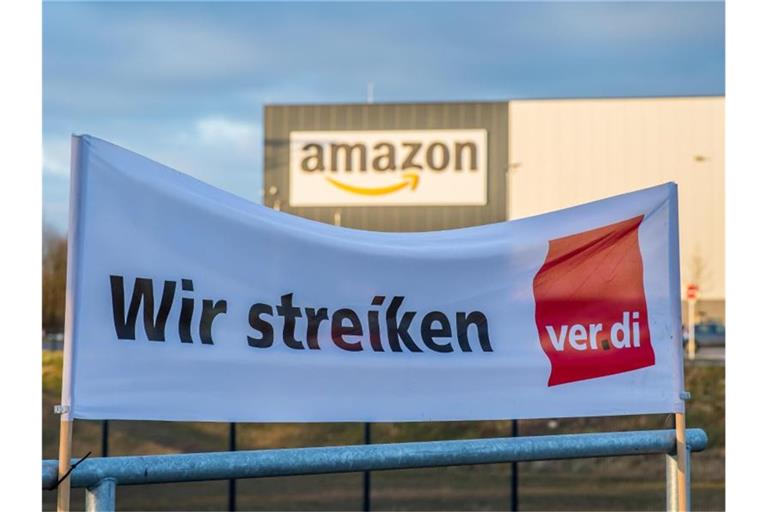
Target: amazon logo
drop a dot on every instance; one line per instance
(410, 180)
(368, 167)
(382, 156)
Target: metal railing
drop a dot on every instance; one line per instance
(101, 476)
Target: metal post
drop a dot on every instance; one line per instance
(232, 501)
(513, 503)
(100, 497)
(673, 486)
(367, 474)
(105, 438)
(155, 469)
(688, 477)
(671, 482)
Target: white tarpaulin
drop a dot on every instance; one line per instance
(188, 303)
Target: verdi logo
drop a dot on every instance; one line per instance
(591, 310)
(388, 167)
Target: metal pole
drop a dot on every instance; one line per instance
(513, 500)
(189, 467)
(100, 497)
(232, 493)
(683, 478)
(688, 477)
(105, 438)
(671, 482)
(367, 474)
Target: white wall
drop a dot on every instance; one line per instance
(566, 152)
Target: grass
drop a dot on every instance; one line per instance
(626, 483)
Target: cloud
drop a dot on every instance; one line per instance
(221, 150)
(629, 23)
(152, 43)
(56, 155)
(55, 201)
(221, 132)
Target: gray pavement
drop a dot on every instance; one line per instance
(711, 355)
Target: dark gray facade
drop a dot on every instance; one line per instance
(280, 120)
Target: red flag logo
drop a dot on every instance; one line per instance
(591, 312)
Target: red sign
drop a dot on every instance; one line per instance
(590, 304)
(692, 292)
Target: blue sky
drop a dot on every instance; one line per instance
(184, 83)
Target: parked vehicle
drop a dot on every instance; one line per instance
(53, 341)
(710, 334)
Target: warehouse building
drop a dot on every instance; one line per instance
(429, 166)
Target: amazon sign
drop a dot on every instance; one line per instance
(388, 168)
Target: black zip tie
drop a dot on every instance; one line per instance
(71, 469)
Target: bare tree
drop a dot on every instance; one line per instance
(54, 279)
(699, 273)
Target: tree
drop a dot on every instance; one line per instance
(54, 280)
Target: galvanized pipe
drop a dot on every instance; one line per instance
(671, 482)
(688, 477)
(672, 485)
(342, 459)
(100, 497)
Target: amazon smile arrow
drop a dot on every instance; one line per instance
(411, 179)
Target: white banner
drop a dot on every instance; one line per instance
(388, 168)
(189, 303)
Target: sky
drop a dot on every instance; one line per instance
(185, 83)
